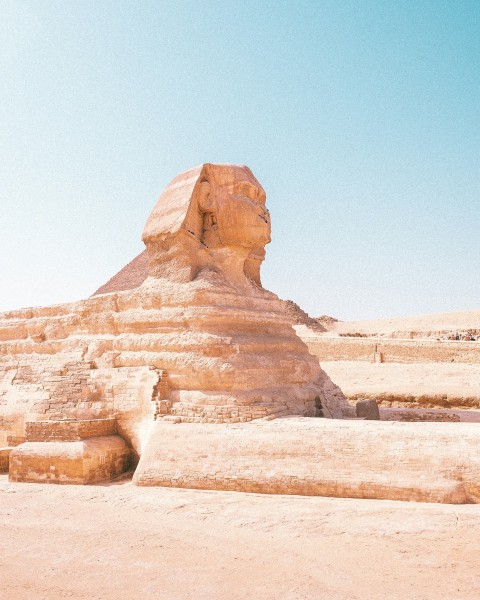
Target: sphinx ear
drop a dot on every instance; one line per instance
(205, 197)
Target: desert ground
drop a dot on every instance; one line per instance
(417, 326)
(121, 541)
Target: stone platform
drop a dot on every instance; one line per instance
(75, 452)
(427, 462)
(82, 462)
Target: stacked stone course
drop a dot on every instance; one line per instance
(70, 451)
(69, 430)
(328, 348)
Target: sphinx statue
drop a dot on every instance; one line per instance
(183, 367)
(185, 333)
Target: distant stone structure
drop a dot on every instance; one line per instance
(128, 278)
(300, 317)
(409, 378)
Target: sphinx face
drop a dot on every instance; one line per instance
(234, 210)
(213, 216)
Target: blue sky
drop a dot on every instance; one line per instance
(361, 119)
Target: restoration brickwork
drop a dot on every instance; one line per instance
(70, 462)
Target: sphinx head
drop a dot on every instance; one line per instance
(212, 217)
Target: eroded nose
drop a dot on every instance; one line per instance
(264, 215)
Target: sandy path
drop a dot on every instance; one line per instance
(124, 542)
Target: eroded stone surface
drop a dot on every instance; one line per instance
(4, 458)
(319, 457)
(199, 342)
(367, 409)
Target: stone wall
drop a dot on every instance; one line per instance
(412, 415)
(433, 462)
(415, 415)
(382, 350)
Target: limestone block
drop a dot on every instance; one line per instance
(318, 457)
(368, 409)
(80, 462)
(69, 430)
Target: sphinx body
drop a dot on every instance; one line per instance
(196, 340)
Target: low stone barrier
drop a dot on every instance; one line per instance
(429, 462)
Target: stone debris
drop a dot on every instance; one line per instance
(368, 409)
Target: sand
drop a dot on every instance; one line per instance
(120, 541)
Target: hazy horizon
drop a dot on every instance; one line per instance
(360, 120)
